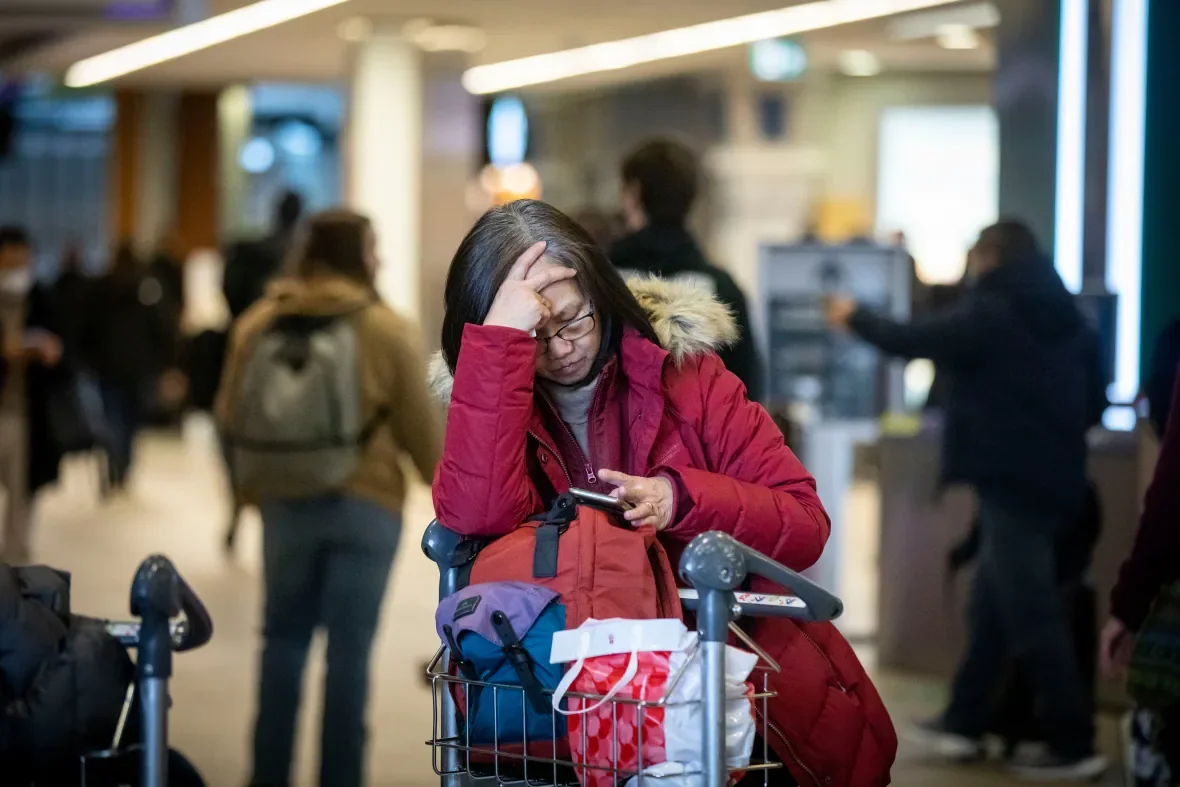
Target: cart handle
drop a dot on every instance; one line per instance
(718, 563)
(159, 594)
(453, 554)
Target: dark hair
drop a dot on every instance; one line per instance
(12, 235)
(125, 263)
(333, 242)
(288, 210)
(667, 175)
(495, 242)
(1012, 242)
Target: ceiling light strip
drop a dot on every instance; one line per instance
(706, 37)
(190, 38)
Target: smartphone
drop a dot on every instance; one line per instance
(596, 500)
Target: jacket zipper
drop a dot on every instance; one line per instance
(560, 462)
(587, 467)
(790, 749)
(824, 656)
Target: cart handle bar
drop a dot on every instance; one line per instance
(717, 563)
(159, 593)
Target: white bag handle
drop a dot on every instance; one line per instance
(572, 674)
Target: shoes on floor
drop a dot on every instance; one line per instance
(1046, 766)
(934, 740)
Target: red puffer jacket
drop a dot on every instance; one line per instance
(675, 411)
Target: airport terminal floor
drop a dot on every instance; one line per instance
(176, 505)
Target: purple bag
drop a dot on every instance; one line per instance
(501, 633)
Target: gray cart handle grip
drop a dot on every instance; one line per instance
(718, 563)
(159, 593)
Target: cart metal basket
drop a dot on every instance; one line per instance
(715, 565)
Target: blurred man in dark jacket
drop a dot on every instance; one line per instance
(128, 346)
(1020, 359)
(660, 180)
(251, 264)
(30, 370)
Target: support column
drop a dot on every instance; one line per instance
(451, 119)
(126, 155)
(384, 159)
(1025, 99)
(156, 194)
(235, 117)
(1161, 203)
(197, 172)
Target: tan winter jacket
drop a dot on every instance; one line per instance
(392, 376)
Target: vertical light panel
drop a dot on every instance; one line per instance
(1124, 244)
(1071, 141)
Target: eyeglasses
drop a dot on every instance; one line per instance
(572, 331)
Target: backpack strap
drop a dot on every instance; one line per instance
(521, 664)
(553, 523)
(464, 666)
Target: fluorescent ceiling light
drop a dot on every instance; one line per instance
(706, 37)
(957, 36)
(355, 29)
(190, 38)
(859, 63)
(912, 27)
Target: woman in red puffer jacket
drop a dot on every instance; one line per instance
(558, 375)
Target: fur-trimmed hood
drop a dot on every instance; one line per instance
(686, 316)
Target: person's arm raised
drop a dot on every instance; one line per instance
(482, 487)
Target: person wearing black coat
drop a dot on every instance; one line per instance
(32, 372)
(127, 344)
(1022, 394)
(62, 680)
(660, 180)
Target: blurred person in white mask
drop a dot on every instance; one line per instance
(29, 360)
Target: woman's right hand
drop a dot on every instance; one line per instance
(519, 303)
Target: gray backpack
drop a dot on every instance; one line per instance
(298, 429)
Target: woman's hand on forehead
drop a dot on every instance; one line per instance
(519, 303)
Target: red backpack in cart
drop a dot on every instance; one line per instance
(601, 568)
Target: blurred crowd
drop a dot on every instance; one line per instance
(315, 421)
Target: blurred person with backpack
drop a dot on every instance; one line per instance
(126, 345)
(323, 393)
(559, 375)
(660, 183)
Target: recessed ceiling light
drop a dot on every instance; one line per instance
(355, 29)
(682, 41)
(957, 36)
(859, 63)
(431, 36)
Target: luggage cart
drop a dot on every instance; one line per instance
(171, 618)
(715, 565)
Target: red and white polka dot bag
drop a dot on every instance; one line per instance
(632, 698)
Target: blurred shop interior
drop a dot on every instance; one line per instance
(859, 151)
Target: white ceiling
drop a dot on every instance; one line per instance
(309, 49)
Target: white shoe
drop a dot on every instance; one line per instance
(935, 740)
(1053, 768)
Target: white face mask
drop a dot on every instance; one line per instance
(17, 281)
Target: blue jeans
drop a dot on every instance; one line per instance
(327, 563)
(1016, 614)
